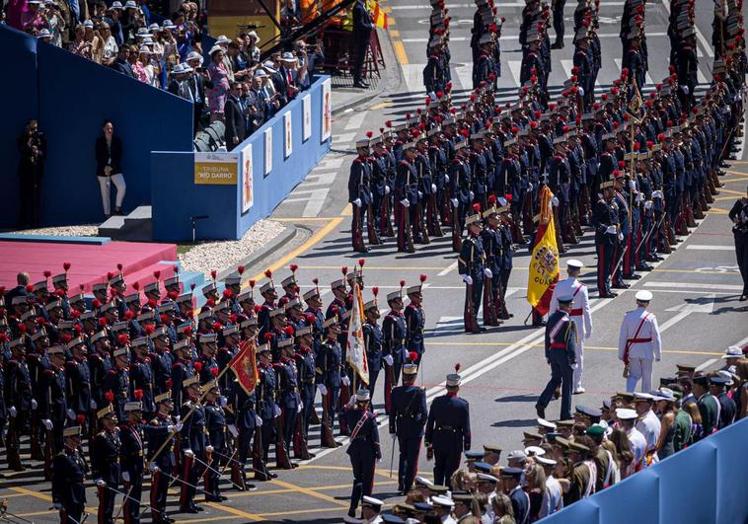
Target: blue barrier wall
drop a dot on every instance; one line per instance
(176, 198)
(704, 484)
(20, 104)
(74, 97)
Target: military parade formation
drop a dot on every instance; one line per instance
(141, 390)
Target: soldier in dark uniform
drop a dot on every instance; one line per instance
(305, 367)
(329, 377)
(192, 445)
(373, 340)
(68, 473)
(739, 216)
(727, 406)
(512, 486)
(471, 267)
(406, 198)
(141, 375)
(267, 290)
(415, 320)
(53, 407)
(181, 369)
(159, 432)
(359, 195)
(131, 459)
(118, 382)
(19, 400)
(448, 431)
(267, 409)
(99, 363)
(215, 450)
(408, 416)
(393, 345)
(605, 217)
(105, 450)
(560, 352)
(364, 449)
(362, 28)
(289, 400)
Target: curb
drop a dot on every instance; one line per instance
(383, 85)
(285, 237)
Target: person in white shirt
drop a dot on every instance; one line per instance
(553, 499)
(580, 314)
(648, 423)
(443, 508)
(627, 419)
(639, 343)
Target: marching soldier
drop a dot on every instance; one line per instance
(19, 400)
(639, 343)
(329, 378)
(118, 380)
(364, 449)
(53, 408)
(360, 197)
(415, 320)
(394, 331)
(739, 216)
(68, 473)
(471, 268)
(105, 451)
(131, 458)
(192, 445)
(215, 425)
(160, 431)
(267, 409)
(560, 352)
(448, 430)
(606, 238)
(289, 401)
(305, 366)
(373, 340)
(580, 314)
(408, 416)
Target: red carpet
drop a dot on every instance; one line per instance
(89, 263)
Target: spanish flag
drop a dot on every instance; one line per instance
(544, 261)
(378, 16)
(244, 366)
(356, 352)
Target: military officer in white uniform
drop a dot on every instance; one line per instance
(580, 313)
(370, 510)
(639, 343)
(648, 424)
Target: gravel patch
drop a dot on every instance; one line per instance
(62, 231)
(206, 256)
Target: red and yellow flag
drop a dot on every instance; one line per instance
(356, 351)
(244, 366)
(544, 268)
(378, 16)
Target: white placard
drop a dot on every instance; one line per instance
(287, 135)
(247, 179)
(268, 150)
(306, 106)
(326, 109)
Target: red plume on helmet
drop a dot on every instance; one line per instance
(152, 302)
(136, 286)
(173, 295)
(80, 418)
(288, 330)
(103, 322)
(123, 338)
(66, 266)
(47, 274)
(310, 318)
(476, 208)
(257, 308)
(138, 394)
(457, 367)
(198, 366)
(240, 270)
(164, 317)
(375, 291)
(412, 356)
(423, 277)
(149, 329)
(268, 273)
(268, 337)
(213, 274)
(109, 396)
(214, 371)
(96, 303)
(129, 315)
(227, 293)
(344, 270)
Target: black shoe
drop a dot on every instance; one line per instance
(632, 276)
(538, 323)
(188, 509)
(540, 410)
(620, 285)
(644, 267)
(609, 294)
(557, 45)
(360, 85)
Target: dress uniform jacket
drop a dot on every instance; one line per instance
(373, 340)
(68, 473)
(105, 450)
(415, 321)
(79, 385)
(647, 344)
(141, 377)
(448, 433)
(727, 410)
(394, 331)
(98, 367)
(580, 306)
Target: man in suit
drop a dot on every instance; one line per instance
(235, 128)
(195, 82)
(407, 420)
(362, 28)
(707, 403)
(120, 64)
(448, 431)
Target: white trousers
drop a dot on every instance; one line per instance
(639, 368)
(577, 382)
(105, 183)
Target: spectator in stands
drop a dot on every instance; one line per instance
(218, 86)
(196, 83)
(55, 22)
(290, 74)
(166, 38)
(79, 46)
(109, 168)
(33, 148)
(33, 18)
(121, 64)
(253, 50)
(115, 13)
(110, 50)
(362, 28)
(254, 106)
(237, 58)
(93, 37)
(234, 117)
(22, 280)
(267, 93)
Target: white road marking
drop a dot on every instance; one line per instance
(343, 138)
(318, 179)
(688, 309)
(704, 365)
(355, 121)
(705, 247)
(314, 201)
(413, 75)
(694, 285)
(567, 65)
(465, 75)
(330, 163)
(448, 269)
(515, 67)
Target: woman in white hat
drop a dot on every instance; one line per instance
(253, 49)
(218, 88)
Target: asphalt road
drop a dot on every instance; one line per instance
(696, 288)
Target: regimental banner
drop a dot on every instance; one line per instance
(247, 190)
(544, 266)
(356, 353)
(216, 168)
(244, 366)
(326, 110)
